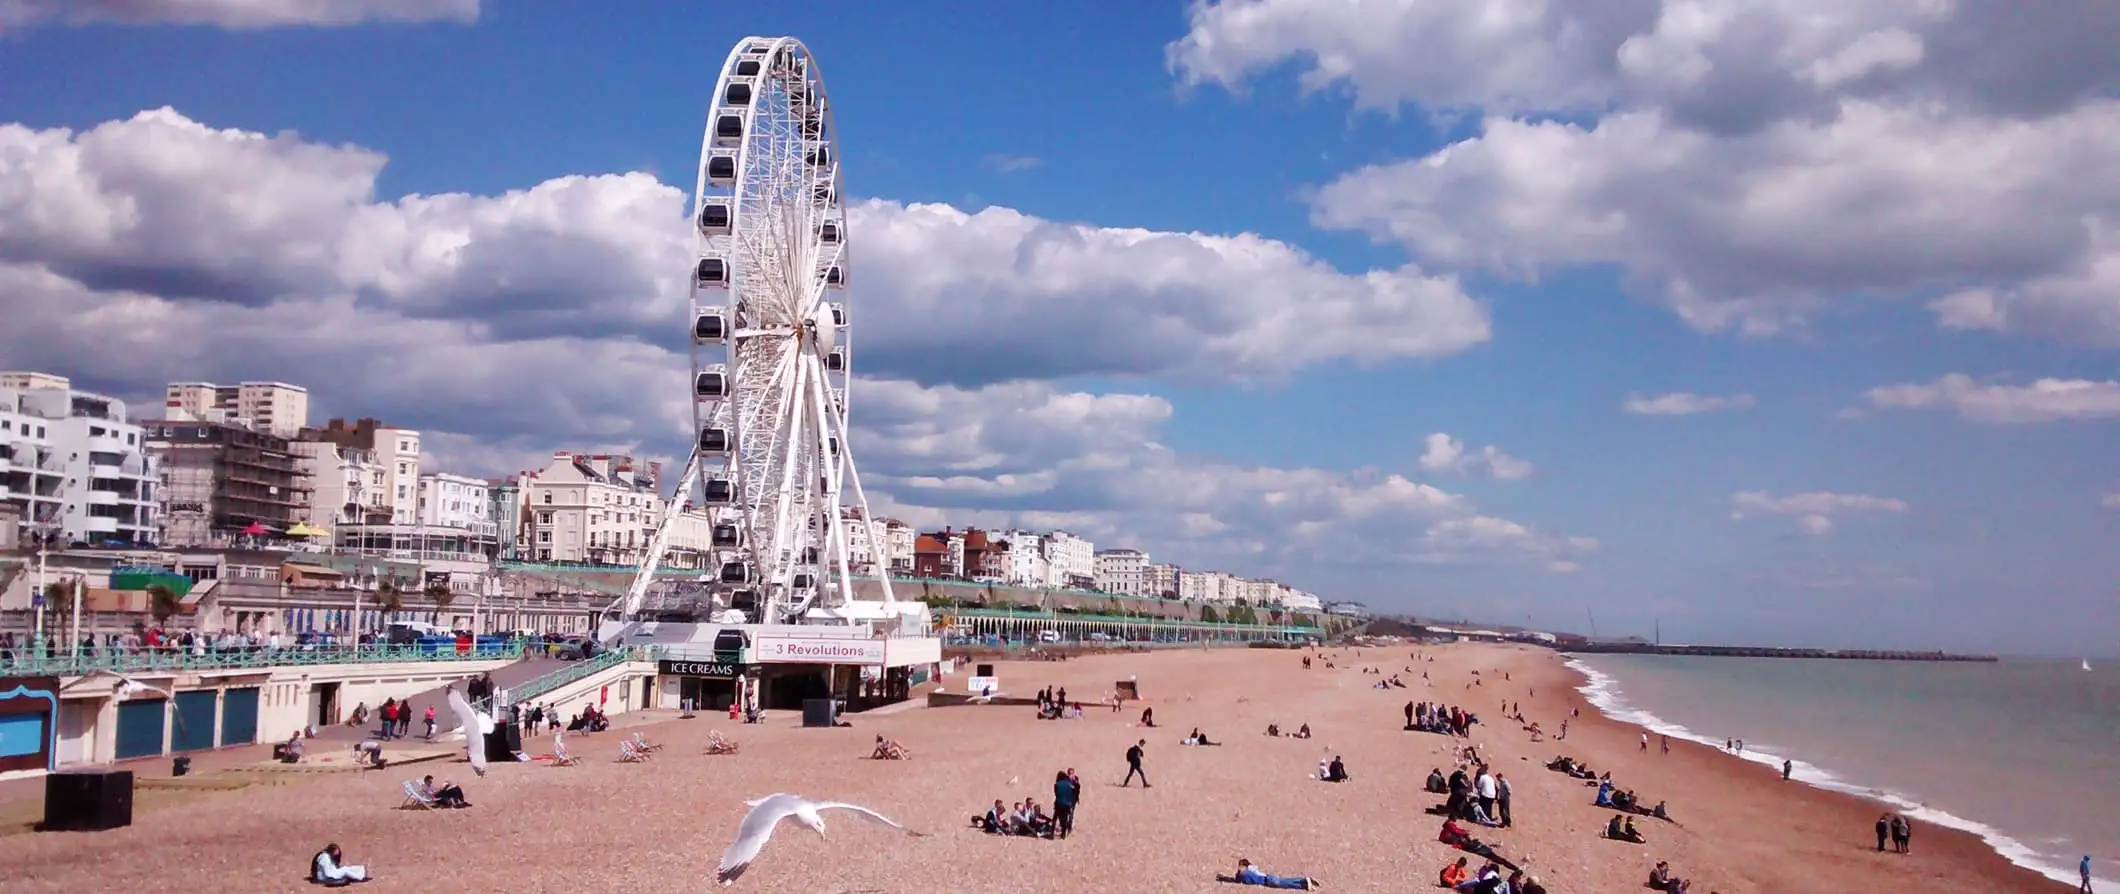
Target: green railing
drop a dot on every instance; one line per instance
(578, 670)
(164, 660)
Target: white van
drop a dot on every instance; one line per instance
(1048, 636)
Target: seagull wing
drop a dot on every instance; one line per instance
(474, 734)
(752, 833)
(867, 814)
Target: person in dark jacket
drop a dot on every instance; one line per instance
(1067, 792)
(1133, 765)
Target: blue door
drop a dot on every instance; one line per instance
(239, 717)
(140, 728)
(195, 720)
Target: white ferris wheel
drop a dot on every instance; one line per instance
(771, 352)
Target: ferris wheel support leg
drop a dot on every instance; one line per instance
(782, 519)
(861, 498)
(637, 594)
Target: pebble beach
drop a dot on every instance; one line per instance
(661, 825)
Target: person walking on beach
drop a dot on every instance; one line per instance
(1667, 744)
(1884, 830)
(1902, 832)
(1787, 766)
(1133, 765)
(2084, 868)
(1645, 743)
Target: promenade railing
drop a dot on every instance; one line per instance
(578, 670)
(1229, 628)
(154, 660)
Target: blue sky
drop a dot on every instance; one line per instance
(1614, 239)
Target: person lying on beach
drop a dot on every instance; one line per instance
(1303, 732)
(1198, 738)
(1248, 874)
(1455, 836)
(889, 750)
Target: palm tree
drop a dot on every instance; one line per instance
(58, 604)
(162, 602)
(442, 596)
(389, 598)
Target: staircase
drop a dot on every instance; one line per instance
(573, 671)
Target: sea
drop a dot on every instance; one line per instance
(2023, 753)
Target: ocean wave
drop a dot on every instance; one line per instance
(1603, 693)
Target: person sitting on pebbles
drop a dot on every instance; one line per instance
(1621, 828)
(330, 869)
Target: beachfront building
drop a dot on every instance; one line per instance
(1073, 561)
(1300, 600)
(347, 487)
(597, 509)
(76, 469)
(1161, 579)
(1027, 565)
(221, 482)
(393, 451)
(1122, 572)
(898, 538)
(504, 504)
(275, 408)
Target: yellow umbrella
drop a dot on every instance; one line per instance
(302, 529)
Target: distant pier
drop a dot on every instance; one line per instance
(1763, 652)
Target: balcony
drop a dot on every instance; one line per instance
(103, 498)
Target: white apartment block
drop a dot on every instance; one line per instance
(1122, 572)
(395, 452)
(73, 465)
(1301, 601)
(456, 502)
(900, 539)
(1162, 579)
(1259, 592)
(864, 538)
(1027, 565)
(1073, 560)
(1195, 586)
(272, 407)
(592, 509)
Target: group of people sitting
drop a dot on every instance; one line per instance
(590, 720)
(1488, 880)
(1625, 801)
(1302, 732)
(1621, 828)
(1026, 819)
(1053, 705)
(889, 750)
(1661, 879)
(1333, 770)
(1450, 720)
(1471, 799)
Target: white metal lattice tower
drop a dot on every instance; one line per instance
(771, 353)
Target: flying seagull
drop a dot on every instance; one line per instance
(475, 726)
(768, 811)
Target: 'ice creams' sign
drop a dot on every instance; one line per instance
(818, 650)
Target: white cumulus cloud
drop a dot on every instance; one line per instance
(1442, 453)
(2044, 400)
(1814, 511)
(1680, 403)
